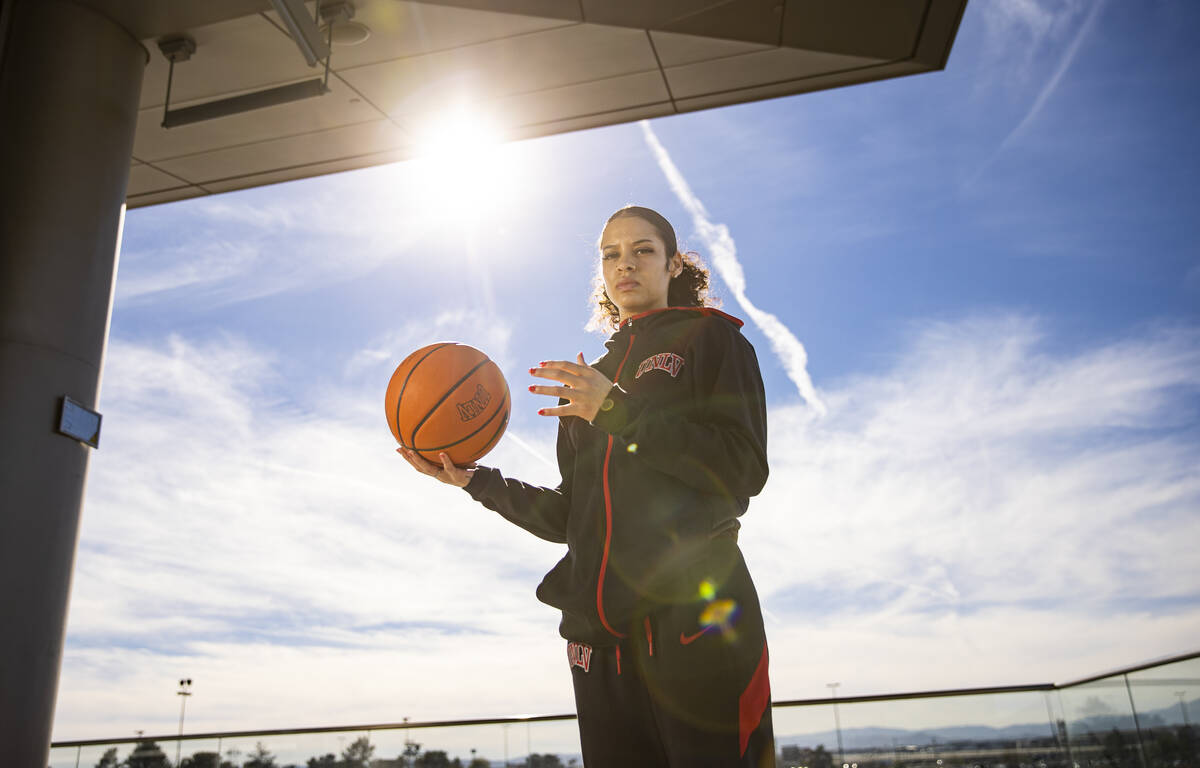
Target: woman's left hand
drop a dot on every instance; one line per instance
(584, 386)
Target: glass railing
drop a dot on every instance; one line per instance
(1143, 717)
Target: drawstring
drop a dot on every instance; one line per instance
(649, 642)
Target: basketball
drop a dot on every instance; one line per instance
(447, 397)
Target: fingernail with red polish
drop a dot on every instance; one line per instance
(530, 387)
(541, 411)
(543, 363)
(531, 370)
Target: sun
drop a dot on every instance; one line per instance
(465, 169)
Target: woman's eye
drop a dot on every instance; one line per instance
(609, 256)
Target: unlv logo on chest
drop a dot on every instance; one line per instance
(580, 655)
(663, 361)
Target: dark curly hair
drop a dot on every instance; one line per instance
(689, 288)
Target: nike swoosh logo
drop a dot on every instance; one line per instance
(689, 639)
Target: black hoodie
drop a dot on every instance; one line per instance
(666, 466)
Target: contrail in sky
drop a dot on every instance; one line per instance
(723, 252)
(534, 452)
(1047, 90)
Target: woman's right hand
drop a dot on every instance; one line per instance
(447, 472)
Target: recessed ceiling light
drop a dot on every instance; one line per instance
(348, 32)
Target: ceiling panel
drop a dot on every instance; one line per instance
(144, 178)
(303, 149)
(400, 30)
(881, 29)
(789, 87)
(748, 20)
(752, 69)
(552, 9)
(600, 96)
(595, 121)
(306, 171)
(538, 61)
(341, 106)
(754, 21)
(151, 18)
(675, 49)
(164, 196)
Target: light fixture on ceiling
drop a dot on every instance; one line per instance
(314, 43)
(338, 25)
(179, 48)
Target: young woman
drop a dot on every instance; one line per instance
(661, 443)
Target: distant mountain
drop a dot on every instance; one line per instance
(887, 738)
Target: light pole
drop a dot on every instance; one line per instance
(185, 690)
(1183, 708)
(837, 721)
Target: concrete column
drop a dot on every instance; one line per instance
(70, 78)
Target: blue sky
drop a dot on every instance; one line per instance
(993, 271)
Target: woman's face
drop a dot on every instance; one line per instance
(636, 266)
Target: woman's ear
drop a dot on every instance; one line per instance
(676, 264)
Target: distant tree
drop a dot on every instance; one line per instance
(479, 762)
(147, 754)
(821, 758)
(408, 757)
(108, 759)
(433, 759)
(324, 761)
(260, 758)
(201, 760)
(1116, 749)
(544, 761)
(358, 754)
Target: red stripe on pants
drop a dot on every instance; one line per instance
(753, 702)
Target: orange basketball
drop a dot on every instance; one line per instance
(447, 397)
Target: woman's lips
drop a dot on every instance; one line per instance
(626, 285)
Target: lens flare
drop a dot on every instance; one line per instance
(707, 590)
(718, 612)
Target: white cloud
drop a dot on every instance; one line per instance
(219, 519)
(986, 512)
(489, 333)
(279, 240)
(291, 237)
(985, 481)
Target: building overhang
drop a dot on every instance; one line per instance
(535, 67)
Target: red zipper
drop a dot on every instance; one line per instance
(608, 511)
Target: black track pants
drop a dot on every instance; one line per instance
(687, 687)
